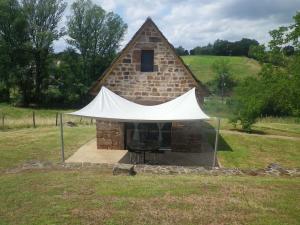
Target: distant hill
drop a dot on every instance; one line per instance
(201, 65)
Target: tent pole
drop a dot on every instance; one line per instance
(216, 142)
(62, 139)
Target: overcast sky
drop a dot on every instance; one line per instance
(191, 23)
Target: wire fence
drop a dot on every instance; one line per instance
(35, 119)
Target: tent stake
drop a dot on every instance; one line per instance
(216, 142)
(62, 138)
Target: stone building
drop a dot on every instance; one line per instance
(148, 71)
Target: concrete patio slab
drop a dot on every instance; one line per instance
(90, 154)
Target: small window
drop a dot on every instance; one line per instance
(147, 60)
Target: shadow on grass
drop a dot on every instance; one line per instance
(210, 132)
(260, 132)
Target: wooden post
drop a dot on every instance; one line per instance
(91, 120)
(33, 119)
(62, 139)
(56, 119)
(216, 142)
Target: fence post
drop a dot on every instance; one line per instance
(91, 120)
(62, 139)
(33, 119)
(216, 142)
(56, 119)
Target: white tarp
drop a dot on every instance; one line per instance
(110, 106)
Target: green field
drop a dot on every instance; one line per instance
(41, 143)
(201, 65)
(56, 196)
(95, 197)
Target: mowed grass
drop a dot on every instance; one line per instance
(42, 143)
(86, 196)
(92, 197)
(238, 150)
(201, 65)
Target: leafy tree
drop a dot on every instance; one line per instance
(288, 50)
(205, 50)
(67, 86)
(242, 47)
(223, 82)
(181, 51)
(14, 57)
(42, 17)
(258, 52)
(222, 47)
(96, 35)
(276, 91)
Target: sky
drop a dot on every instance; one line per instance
(191, 23)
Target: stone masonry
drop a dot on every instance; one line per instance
(169, 79)
(110, 135)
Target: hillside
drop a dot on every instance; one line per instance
(201, 66)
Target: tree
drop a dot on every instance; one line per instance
(42, 17)
(258, 52)
(181, 51)
(242, 47)
(205, 50)
(276, 91)
(288, 50)
(14, 57)
(96, 35)
(223, 82)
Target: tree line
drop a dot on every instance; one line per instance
(31, 73)
(222, 48)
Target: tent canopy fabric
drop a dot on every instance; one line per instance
(109, 106)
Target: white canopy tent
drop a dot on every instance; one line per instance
(109, 106)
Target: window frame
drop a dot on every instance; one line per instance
(146, 67)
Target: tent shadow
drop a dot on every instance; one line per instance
(201, 157)
(209, 132)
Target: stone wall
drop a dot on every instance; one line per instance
(169, 80)
(110, 135)
(271, 170)
(186, 137)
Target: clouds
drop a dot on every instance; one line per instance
(198, 22)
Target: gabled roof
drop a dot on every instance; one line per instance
(96, 86)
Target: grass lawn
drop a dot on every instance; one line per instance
(236, 150)
(290, 126)
(42, 143)
(96, 197)
(246, 151)
(201, 65)
(92, 197)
